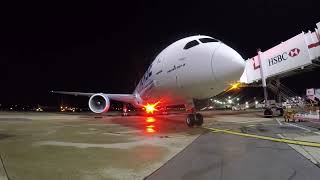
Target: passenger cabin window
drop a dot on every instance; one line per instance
(207, 40)
(191, 44)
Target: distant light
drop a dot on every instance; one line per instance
(39, 109)
(247, 104)
(229, 101)
(229, 97)
(256, 102)
(237, 99)
(234, 86)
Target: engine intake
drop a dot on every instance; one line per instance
(99, 103)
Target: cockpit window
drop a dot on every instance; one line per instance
(207, 40)
(191, 44)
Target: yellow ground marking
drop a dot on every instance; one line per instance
(283, 140)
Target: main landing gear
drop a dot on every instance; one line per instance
(194, 119)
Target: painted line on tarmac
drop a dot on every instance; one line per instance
(289, 124)
(279, 122)
(306, 129)
(282, 140)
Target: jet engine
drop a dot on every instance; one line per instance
(99, 103)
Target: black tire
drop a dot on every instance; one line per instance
(199, 119)
(190, 120)
(268, 113)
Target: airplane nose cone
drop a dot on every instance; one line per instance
(227, 64)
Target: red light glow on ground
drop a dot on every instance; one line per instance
(150, 120)
(150, 130)
(150, 127)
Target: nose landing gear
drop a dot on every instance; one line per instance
(194, 119)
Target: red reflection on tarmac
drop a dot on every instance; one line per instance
(150, 130)
(150, 127)
(150, 120)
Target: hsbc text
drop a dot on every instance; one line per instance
(278, 59)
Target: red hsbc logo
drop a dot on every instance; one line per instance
(294, 52)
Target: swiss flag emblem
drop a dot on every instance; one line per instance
(294, 52)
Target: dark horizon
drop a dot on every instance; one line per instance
(107, 47)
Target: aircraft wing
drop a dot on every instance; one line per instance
(73, 93)
(129, 98)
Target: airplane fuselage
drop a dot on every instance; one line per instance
(195, 67)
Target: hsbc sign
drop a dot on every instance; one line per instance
(280, 59)
(284, 56)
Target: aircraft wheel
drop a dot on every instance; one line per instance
(190, 120)
(199, 119)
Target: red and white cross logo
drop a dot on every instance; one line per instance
(294, 52)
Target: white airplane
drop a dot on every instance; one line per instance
(195, 67)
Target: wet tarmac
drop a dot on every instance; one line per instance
(88, 146)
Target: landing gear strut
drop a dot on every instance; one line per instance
(194, 119)
(125, 110)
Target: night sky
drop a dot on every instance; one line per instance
(94, 47)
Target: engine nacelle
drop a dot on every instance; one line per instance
(99, 103)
